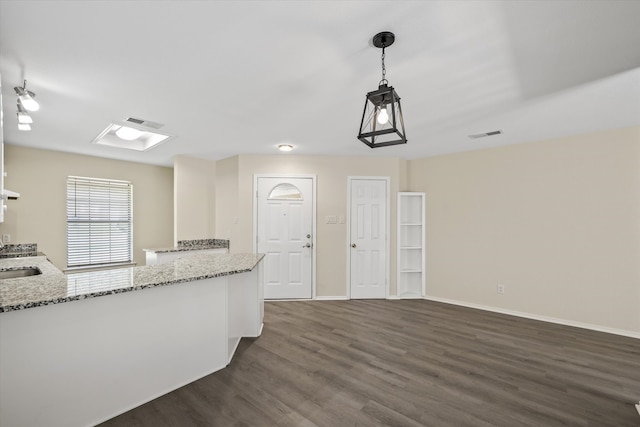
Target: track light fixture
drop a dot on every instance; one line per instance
(26, 98)
(382, 121)
(26, 102)
(23, 117)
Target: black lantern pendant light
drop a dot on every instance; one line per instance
(382, 122)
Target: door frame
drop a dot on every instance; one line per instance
(313, 217)
(387, 248)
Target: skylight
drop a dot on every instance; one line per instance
(137, 138)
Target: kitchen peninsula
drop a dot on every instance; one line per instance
(186, 247)
(82, 348)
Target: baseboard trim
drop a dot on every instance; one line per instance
(549, 319)
(331, 298)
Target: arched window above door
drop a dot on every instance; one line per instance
(285, 191)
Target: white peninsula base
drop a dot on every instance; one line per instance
(83, 362)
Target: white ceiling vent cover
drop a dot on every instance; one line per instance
(145, 123)
(482, 135)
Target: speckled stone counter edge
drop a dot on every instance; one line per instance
(52, 282)
(193, 245)
(19, 250)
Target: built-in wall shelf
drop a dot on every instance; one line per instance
(411, 242)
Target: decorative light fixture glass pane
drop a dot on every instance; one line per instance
(375, 131)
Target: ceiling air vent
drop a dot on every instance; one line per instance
(482, 135)
(146, 123)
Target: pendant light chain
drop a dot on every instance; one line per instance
(384, 69)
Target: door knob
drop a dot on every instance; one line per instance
(353, 245)
(308, 245)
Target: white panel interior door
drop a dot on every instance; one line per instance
(368, 235)
(285, 216)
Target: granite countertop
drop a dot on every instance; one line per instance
(193, 245)
(20, 254)
(19, 250)
(54, 287)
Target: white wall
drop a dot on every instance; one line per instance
(227, 171)
(556, 222)
(194, 198)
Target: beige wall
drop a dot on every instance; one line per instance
(194, 198)
(227, 171)
(39, 216)
(556, 222)
(332, 173)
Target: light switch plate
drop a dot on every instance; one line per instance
(331, 219)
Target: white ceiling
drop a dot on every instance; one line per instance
(234, 77)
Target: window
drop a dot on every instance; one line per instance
(285, 191)
(99, 222)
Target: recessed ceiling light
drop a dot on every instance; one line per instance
(128, 134)
(123, 135)
(285, 147)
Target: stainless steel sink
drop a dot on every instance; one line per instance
(19, 272)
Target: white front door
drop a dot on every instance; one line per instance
(284, 235)
(368, 238)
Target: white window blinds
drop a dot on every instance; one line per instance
(99, 222)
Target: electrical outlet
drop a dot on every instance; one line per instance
(341, 219)
(6, 238)
(500, 289)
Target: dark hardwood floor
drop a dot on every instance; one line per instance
(409, 363)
